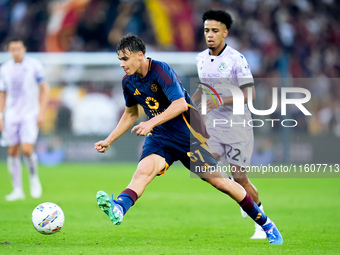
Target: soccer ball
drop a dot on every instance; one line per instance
(48, 218)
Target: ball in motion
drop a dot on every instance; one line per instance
(48, 218)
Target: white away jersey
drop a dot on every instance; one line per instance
(229, 67)
(21, 82)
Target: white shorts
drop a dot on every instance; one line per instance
(19, 132)
(235, 146)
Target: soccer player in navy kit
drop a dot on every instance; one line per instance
(174, 131)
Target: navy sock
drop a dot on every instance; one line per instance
(126, 199)
(252, 209)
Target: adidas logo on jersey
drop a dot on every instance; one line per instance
(137, 93)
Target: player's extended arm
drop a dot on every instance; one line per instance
(2, 108)
(196, 97)
(175, 108)
(229, 100)
(44, 95)
(128, 118)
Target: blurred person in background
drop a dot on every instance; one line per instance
(23, 99)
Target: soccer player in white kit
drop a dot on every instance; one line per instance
(220, 64)
(23, 100)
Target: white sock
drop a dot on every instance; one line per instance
(14, 168)
(32, 164)
(267, 221)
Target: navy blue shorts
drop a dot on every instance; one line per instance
(193, 156)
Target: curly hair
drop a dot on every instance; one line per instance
(218, 15)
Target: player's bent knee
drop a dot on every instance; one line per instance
(145, 174)
(150, 166)
(13, 151)
(27, 149)
(242, 181)
(27, 153)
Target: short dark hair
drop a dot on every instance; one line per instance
(218, 15)
(15, 39)
(132, 43)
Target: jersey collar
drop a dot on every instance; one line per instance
(225, 46)
(145, 78)
(150, 61)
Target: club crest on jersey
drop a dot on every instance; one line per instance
(154, 87)
(222, 67)
(152, 103)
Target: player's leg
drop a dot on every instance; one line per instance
(236, 147)
(10, 137)
(238, 153)
(147, 169)
(28, 136)
(14, 168)
(221, 181)
(242, 178)
(221, 153)
(31, 161)
(201, 161)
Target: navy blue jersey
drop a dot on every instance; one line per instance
(154, 93)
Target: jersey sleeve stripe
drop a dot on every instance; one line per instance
(165, 77)
(246, 85)
(178, 78)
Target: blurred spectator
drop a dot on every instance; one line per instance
(308, 30)
(63, 22)
(24, 19)
(301, 36)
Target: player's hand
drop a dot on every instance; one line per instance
(102, 146)
(1, 124)
(210, 105)
(143, 128)
(41, 119)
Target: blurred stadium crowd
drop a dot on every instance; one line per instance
(308, 29)
(305, 33)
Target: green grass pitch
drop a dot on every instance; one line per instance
(176, 215)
